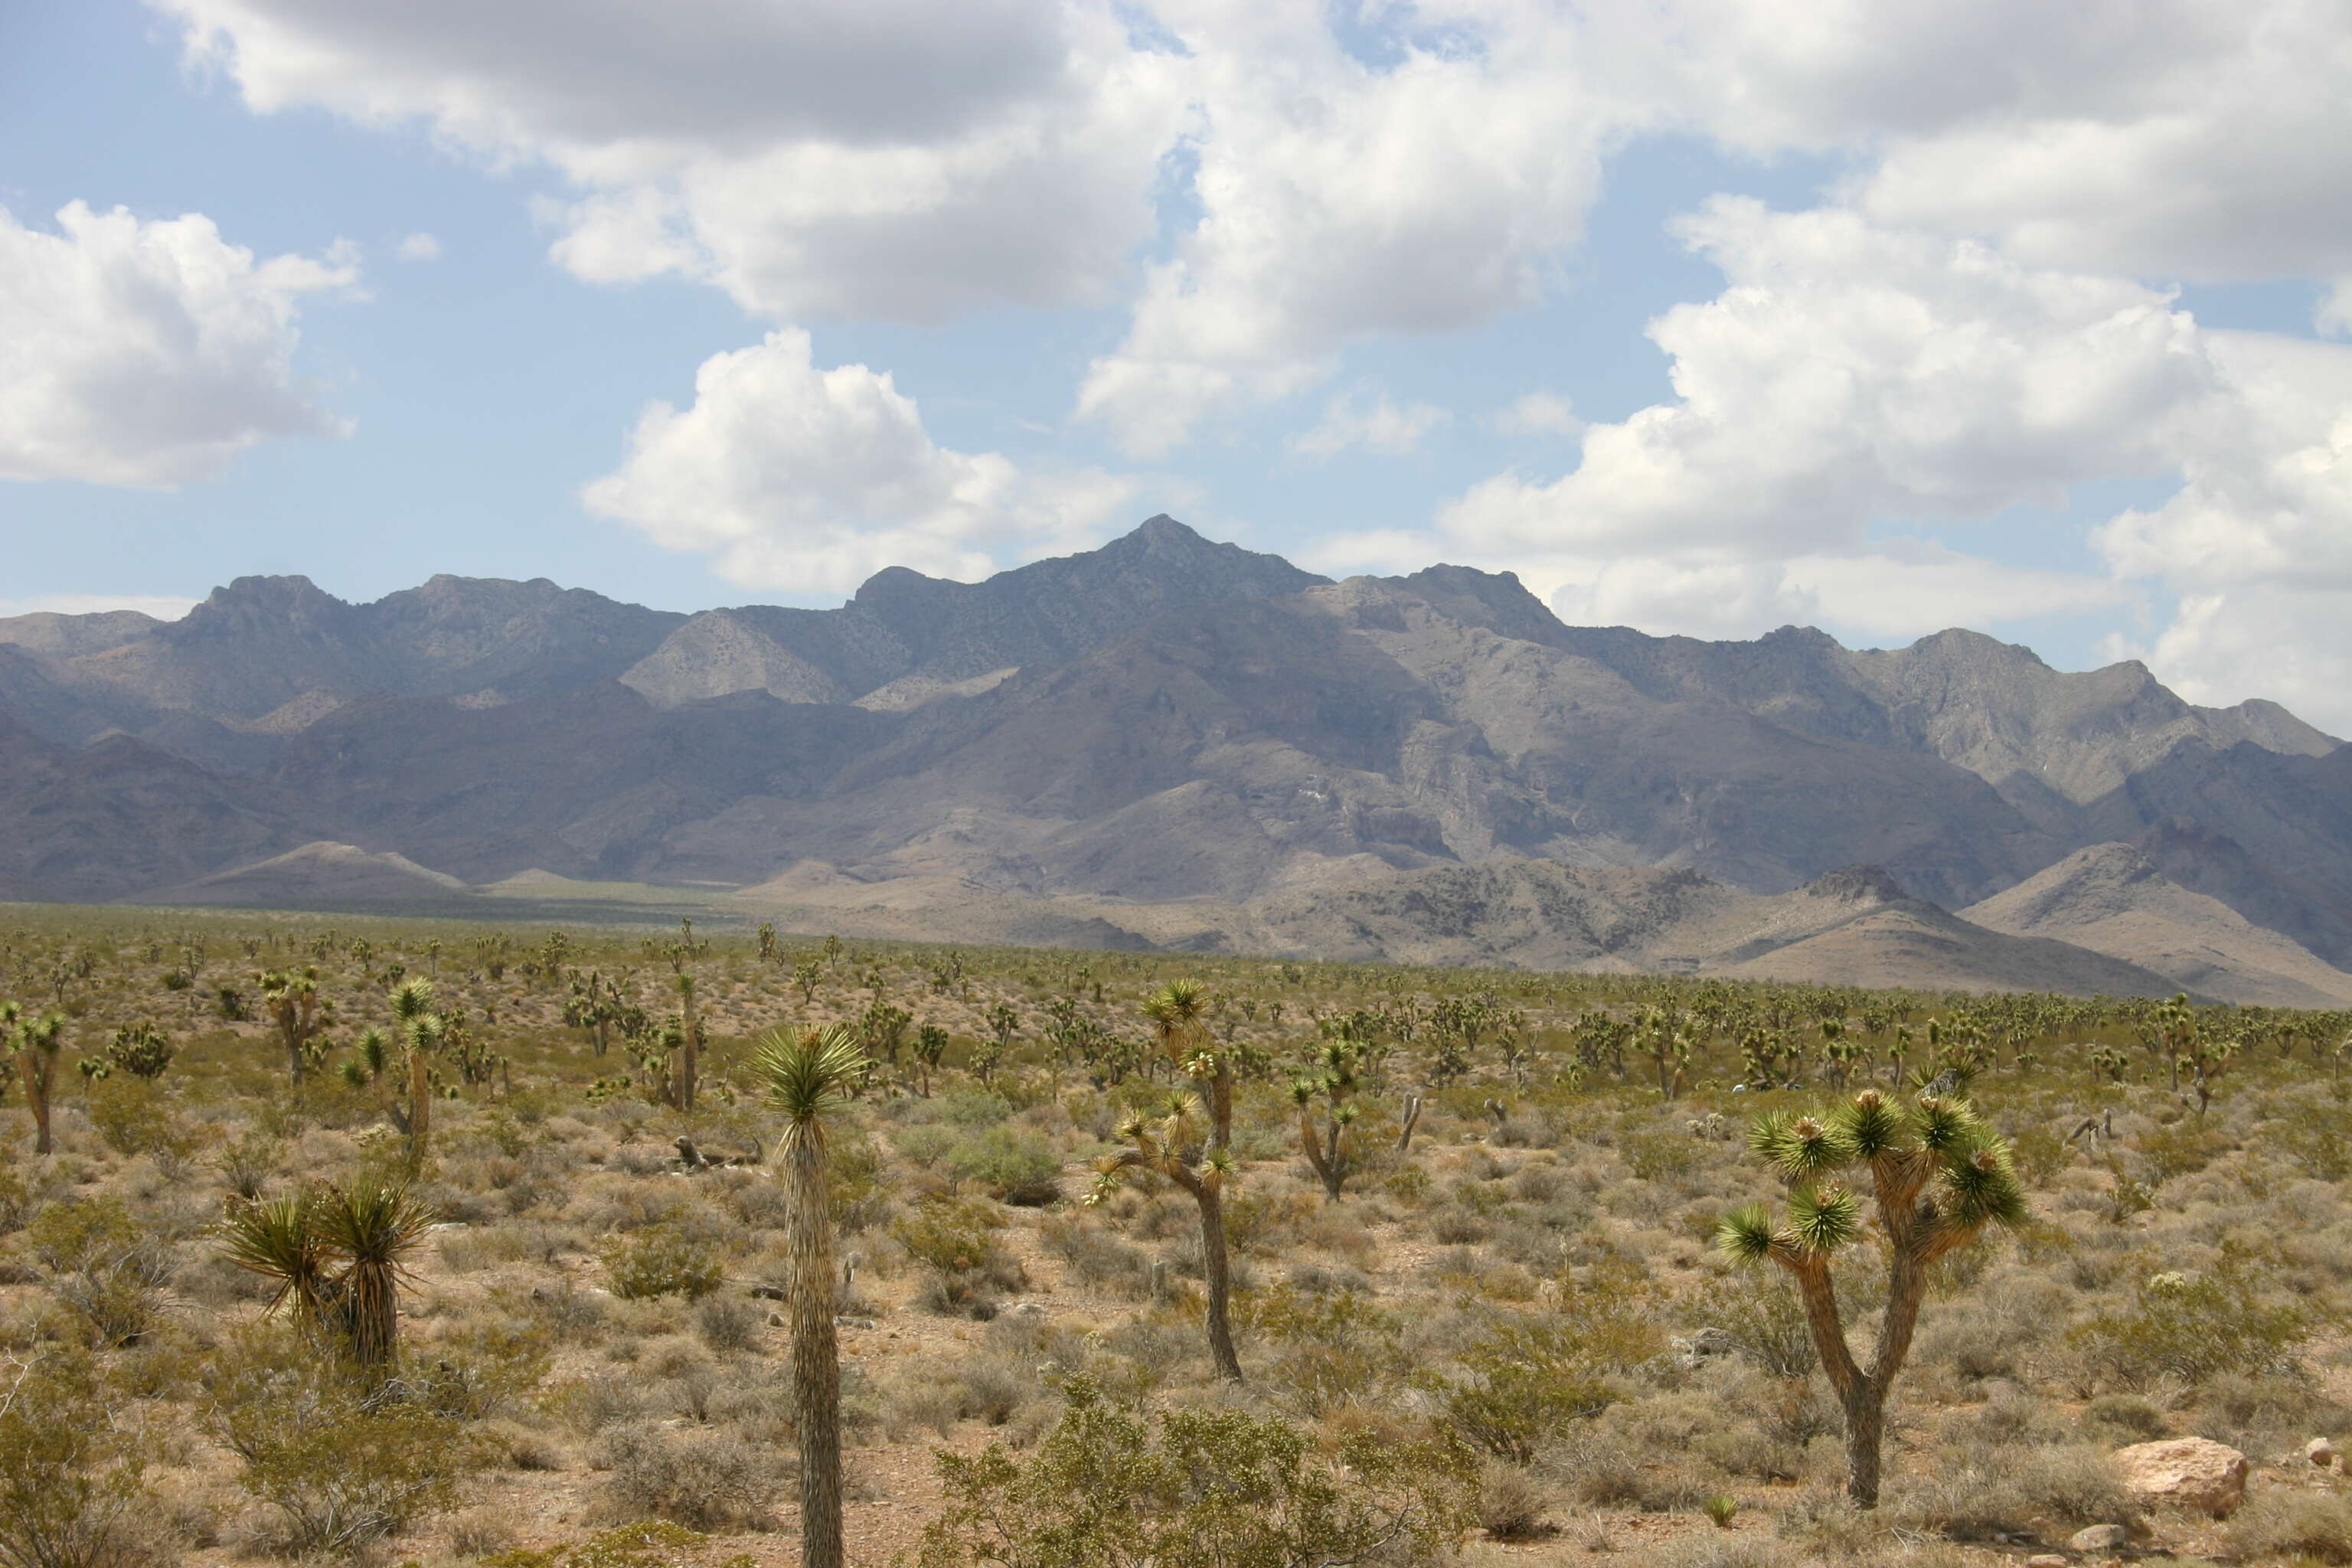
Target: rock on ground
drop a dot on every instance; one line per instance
(2186, 1472)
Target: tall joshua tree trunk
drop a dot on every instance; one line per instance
(811, 1079)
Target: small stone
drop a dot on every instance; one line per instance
(2186, 1472)
(2099, 1538)
(2045, 1560)
(2320, 1452)
(775, 1319)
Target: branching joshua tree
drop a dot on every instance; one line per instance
(1190, 1144)
(1331, 1148)
(811, 1077)
(299, 1013)
(1937, 1177)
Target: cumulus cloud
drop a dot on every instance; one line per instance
(902, 158)
(1371, 422)
(148, 354)
(419, 246)
(799, 479)
(1850, 371)
(1341, 198)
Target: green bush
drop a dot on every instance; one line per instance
(1012, 1166)
(71, 1480)
(660, 1260)
(1529, 1375)
(342, 1462)
(952, 1235)
(648, 1543)
(2193, 1327)
(1110, 1484)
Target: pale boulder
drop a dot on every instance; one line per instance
(2185, 1472)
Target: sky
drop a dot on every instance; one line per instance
(1702, 316)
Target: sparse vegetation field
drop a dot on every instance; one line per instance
(399, 1242)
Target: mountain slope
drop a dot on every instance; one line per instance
(1166, 737)
(2111, 899)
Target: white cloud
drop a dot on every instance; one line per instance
(1340, 199)
(1849, 373)
(1537, 413)
(1373, 423)
(2266, 641)
(148, 354)
(163, 607)
(903, 158)
(419, 246)
(798, 478)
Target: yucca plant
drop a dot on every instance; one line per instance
(371, 1227)
(275, 1238)
(338, 1256)
(1189, 1143)
(811, 1077)
(1937, 1177)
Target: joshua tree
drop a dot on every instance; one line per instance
(1937, 1177)
(1189, 1144)
(930, 1044)
(34, 1043)
(142, 1050)
(299, 1017)
(811, 1079)
(593, 1006)
(1331, 1148)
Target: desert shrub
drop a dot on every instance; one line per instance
(1330, 1350)
(1012, 1166)
(703, 1479)
(726, 1324)
(104, 1269)
(1529, 1374)
(924, 1144)
(1980, 1494)
(1511, 1502)
(1659, 1153)
(1094, 1255)
(660, 1260)
(2300, 1526)
(340, 1462)
(2192, 1327)
(956, 1240)
(1110, 1483)
(72, 1481)
(2128, 1415)
(132, 1118)
(1763, 1317)
(646, 1543)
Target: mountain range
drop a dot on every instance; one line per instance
(1174, 743)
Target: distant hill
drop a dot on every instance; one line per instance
(1175, 741)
